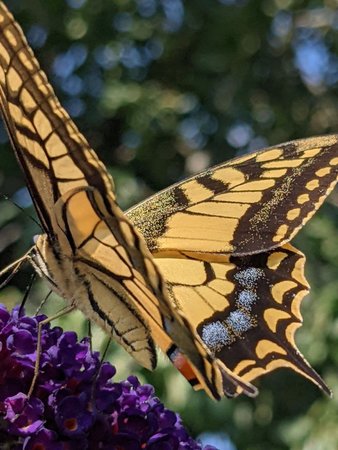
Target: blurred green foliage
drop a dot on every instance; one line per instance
(162, 89)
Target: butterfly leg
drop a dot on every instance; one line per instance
(67, 309)
(42, 304)
(14, 267)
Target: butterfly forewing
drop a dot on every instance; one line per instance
(47, 143)
(248, 205)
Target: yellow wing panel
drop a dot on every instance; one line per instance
(252, 330)
(246, 206)
(54, 155)
(120, 278)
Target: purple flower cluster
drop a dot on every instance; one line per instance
(75, 404)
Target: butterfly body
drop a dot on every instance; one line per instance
(203, 269)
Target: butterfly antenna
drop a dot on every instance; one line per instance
(5, 197)
(42, 304)
(13, 267)
(27, 291)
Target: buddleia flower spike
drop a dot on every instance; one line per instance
(76, 402)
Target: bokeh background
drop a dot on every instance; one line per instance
(163, 89)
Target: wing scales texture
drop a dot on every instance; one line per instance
(46, 141)
(248, 205)
(245, 309)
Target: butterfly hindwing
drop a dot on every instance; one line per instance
(245, 309)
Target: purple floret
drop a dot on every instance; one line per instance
(75, 404)
(24, 415)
